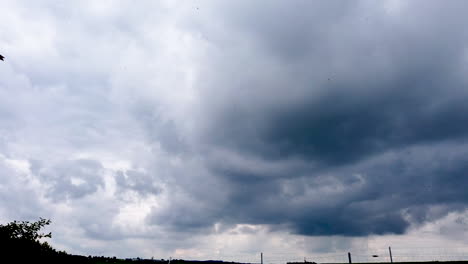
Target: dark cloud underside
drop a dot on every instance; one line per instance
(346, 90)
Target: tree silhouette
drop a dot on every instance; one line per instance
(21, 241)
(24, 230)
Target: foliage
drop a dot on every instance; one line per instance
(24, 230)
(21, 241)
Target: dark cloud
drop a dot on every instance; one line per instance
(381, 195)
(345, 118)
(367, 106)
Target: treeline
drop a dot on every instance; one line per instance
(21, 242)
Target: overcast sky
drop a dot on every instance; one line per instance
(217, 129)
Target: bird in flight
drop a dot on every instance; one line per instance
(1, 57)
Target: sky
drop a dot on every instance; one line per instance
(221, 129)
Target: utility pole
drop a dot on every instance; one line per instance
(349, 257)
(261, 258)
(390, 251)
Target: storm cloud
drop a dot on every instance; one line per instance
(336, 119)
(312, 118)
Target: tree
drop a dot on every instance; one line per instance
(24, 230)
(21, 240)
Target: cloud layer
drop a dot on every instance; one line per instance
(135, 121)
